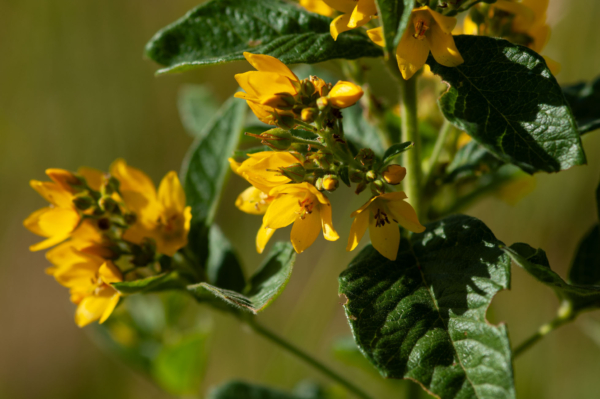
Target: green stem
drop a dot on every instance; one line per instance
(410, 132)
(565, 315)
(437, 150)
(281, 342)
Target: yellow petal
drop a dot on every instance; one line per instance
(109, 273)
(344, 94)
(339, 25)
(345, 6)
(171, 194)
(553, 65)
(376, 35)
(541, 36)
(253, 201)
(470, 27)
(327, 224)
(267, 84)
(58, 222)
(93, 307)
(132, 179)
(405, 215)
(243, 81)
(50, 242)
(524, 16)
(263, 237)
(539, 7)
(266, 63)
(385, 239)
(261, 169)
(32, 223)
(443, 47)
(77, 275)
(282, 212)
(362, 13)
(305, 231)
(317, 6)
(264, 113)
(446, 24)
(411, 54)
(93, 177)
(234, 165)
(357, 230)
(63, 178)
(53, 193)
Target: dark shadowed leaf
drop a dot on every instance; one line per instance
(394, 16)
(223, 268)
(221, 30)
(505, 97)
(162, 282)
(422, 316)
(359, 132)
(535, 262)
(396, 149)
(584, 99)
(263, 287)
(244, 390)
(196, 104)
(586, 265)
(471, 160)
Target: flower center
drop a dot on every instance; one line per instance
(420, 29)
(381, 218)
(306, 207)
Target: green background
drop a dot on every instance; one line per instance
(75, 90)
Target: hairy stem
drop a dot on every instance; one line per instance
(294, 350)
(410, 132)
(565, 315)
(437, 150)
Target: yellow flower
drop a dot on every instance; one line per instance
(317, 6)
(304, 206)
(253, 201)
(268, 87)
(160, 215)
(427, 31)
(261, 169)
(57, 221)
(394, 174)
(344, 94)
(356, 13)
(381, 214)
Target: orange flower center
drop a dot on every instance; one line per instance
(420, 29)
(306, 207)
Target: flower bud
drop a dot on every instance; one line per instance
(308, 88)
(110, 185)
(365, 156)
(284, 101)
(377, 187)
(371, 175)
(361, 187)
(322, 103)
(284, 121)
(295, 172)
(83, 202)
(331, 182)
(64, 178)
(278, 139)
(130, 218)
(394, 174)
(308, 114)
(319, 184)
(356, 176)
(344, 94)
(108, 204)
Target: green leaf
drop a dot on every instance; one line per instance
(196, 105)
(244, 390)
(359, 132)
(396, 149)
(264, 286)
(586, 265)
(223, 268)
(505, 97)
(394, 16)
(584, 99)
(205, 168)
(162, 282)
(221, 30)
(179, 368)
(346, 351)
(423, 316)
(471, 160)
(535, 262)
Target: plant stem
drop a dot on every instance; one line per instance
(410, 132)
(276, 339)
(565, 315)
(437, 150)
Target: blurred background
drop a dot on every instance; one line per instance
(76, 90)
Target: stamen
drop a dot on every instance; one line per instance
(420, 29)
(381, 218)
(306, 207)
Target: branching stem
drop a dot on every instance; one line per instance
(294, 350)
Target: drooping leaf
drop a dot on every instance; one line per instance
(205, 168)
(505, 97)
(535, 262)
(359, 132)
(586, 265)
(179, 368)
(221, 30)
(196, 104)
(244, 390)
(423, 316)
(471, 160)
(394, 16)
(223, 268)
(584, 99)
(162, 282)
(396, 149)
(264, 286)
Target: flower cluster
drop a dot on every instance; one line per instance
(288, 185)
(106, 228)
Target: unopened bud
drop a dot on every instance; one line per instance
(356, 176)
(365, 156)
(331, 182)
(110, 185)
(64, 178)
(394, 174)
(285, 121)
(344, 94)
(377, 187)
(360, 188)
(312, 179)
(108, 204)
(130, 218)
(295, 172)
(322, 103)
(319, 184)
(277, 138)
(308, 88)
(308, 114)
(371, 175)
(284, 101)
(83, 202)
